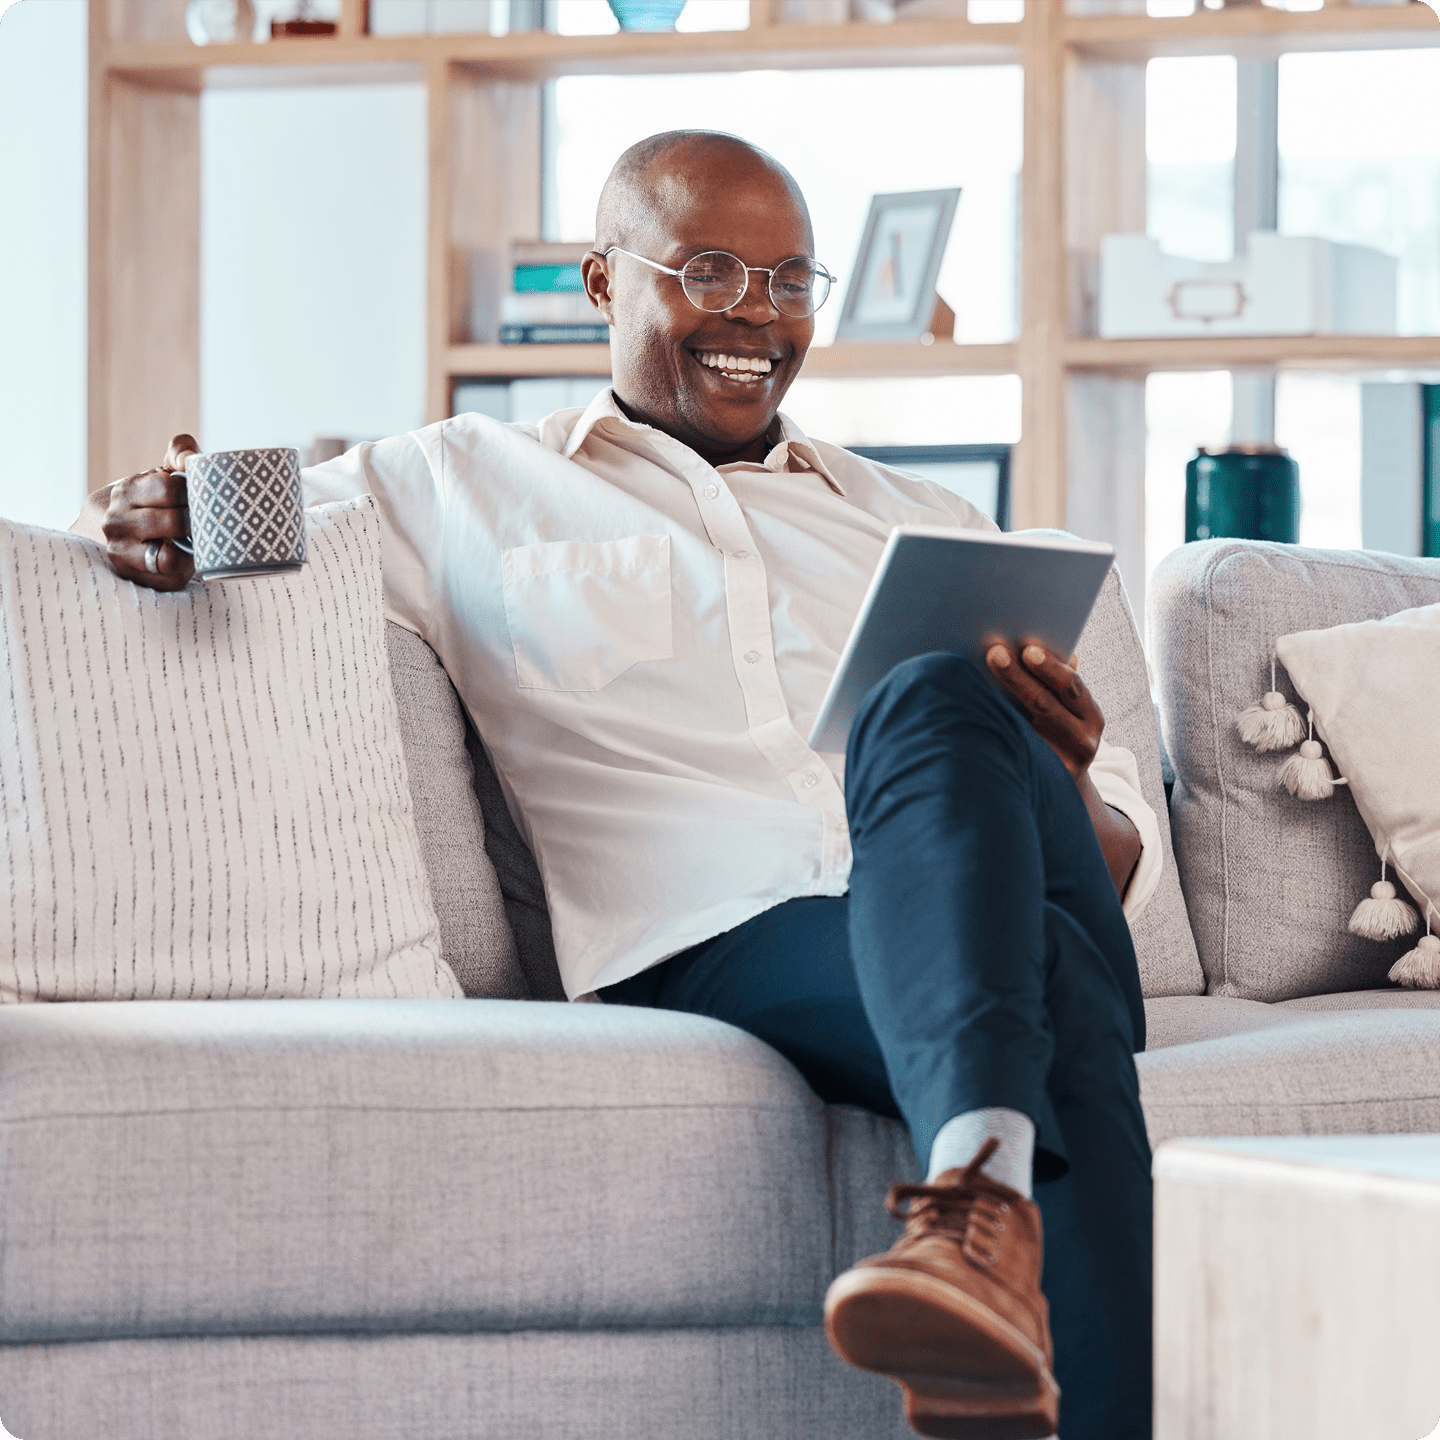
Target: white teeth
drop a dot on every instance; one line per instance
(737, 365)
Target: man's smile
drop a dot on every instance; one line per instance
(740, 369)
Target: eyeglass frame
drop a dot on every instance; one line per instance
(748, 269)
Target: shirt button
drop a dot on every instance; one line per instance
(752, 657)
(808, 780)
(741, 555)
(712, 492)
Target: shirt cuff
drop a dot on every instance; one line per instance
(1117, 779)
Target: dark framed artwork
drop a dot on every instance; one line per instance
(979, 473)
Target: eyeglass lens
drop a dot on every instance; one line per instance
(716, 280)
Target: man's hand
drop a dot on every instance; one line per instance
(1055, 700)
(132, 513)
(1060, 706)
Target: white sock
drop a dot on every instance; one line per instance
(960, 1138)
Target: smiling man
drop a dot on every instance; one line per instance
(641, 605)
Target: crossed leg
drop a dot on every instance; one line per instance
(980, 960)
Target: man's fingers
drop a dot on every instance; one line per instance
(151, 488)
(147, 523)
(1066, 717)
(173, 568)
(1059, 678)
(180, 447)
(1036, 698)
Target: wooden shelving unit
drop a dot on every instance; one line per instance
(1081, 459)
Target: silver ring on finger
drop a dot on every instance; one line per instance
(152, 556)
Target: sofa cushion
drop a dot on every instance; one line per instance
(1350, 1073)
(519, 878)
(1112, 663)
(1365, 1000)
(1374, 689)
(200, 1169)
(474, 932)
(1188, 1019)
(203, 794)
(1270, 880)
(684, 1383)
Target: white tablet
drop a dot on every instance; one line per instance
(960, 591)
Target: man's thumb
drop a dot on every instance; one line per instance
(180, 447)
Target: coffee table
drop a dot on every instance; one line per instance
(1297, 1288)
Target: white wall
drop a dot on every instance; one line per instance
(42, 261)
(312, 269)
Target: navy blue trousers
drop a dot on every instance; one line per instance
(980, 959)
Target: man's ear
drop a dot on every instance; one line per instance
(595, 272)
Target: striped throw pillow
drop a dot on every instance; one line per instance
(203, 795)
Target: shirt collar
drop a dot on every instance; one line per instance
(796, 450)
(792, 451)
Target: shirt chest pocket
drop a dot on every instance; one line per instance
(583, 612)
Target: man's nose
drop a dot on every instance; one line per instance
(755, 304)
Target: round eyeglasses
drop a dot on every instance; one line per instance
(717, 280)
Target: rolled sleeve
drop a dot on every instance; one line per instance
(1117, 778)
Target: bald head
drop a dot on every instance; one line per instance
(679, 171)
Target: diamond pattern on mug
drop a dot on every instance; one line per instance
(247, 510)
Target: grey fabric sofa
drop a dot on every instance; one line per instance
(514, 1217)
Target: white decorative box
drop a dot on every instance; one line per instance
(1284, 285)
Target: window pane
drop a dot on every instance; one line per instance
(1317, 418)
(1183, 411)
(1190, 146)
(1360, 163)
(844, 135)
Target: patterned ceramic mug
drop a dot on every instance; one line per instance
(246, 514)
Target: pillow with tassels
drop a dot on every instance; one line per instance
(1372, 692)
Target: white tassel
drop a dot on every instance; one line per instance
(1271, 723)
(1419, 969)
(1306, 774)
(1384, 915)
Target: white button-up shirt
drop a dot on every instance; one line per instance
(644, 640)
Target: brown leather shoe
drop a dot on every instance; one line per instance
(953, 1312)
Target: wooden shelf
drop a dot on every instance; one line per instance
(845, 361)
(1286, 352)
(1081, 457)
(1257, 33)
(540, 56)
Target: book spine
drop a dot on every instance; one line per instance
(547, 308)
(554, 334)
(528, 279)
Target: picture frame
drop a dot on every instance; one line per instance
(979, 473)
(892, 291)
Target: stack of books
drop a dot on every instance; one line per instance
(546, 302)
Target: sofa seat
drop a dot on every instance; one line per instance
(1363, 1063)
(377, 1166)
(247, 1167)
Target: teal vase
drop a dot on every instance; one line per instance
(646, 14)
(1246, 492)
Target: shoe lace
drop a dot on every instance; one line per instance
(974, 1215)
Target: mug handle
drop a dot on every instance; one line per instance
(187, 544)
